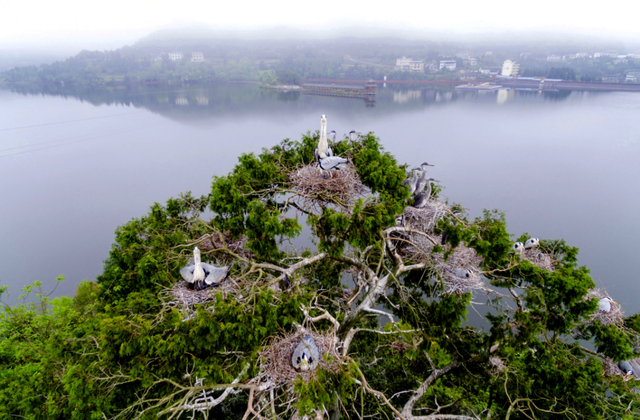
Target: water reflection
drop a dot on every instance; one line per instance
(561, 164)
(193, 102)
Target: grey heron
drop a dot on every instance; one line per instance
(604, 304)
(531, 243)
(323, 150)
(332, 133)
(422, 197)
(422, 180)
(518, 247)
(306, 355)
(626, 368)
(332, 163)
(201, 275)
(353, 135)
(463, 273)
(412, 181)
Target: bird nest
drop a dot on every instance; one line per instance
(316, 187)
(615, 316)
(185, 299)
(611, 368)
(218, 241)
(425, 218)
(276, 369)
(420, 250)
(538, 258)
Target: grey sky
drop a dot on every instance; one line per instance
(106, 25)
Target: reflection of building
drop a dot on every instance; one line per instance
(197, 57)
(202, 100)
(504, 95)
(182, 101)
(175, 56)
(448, 64)
(402, 97)
(510, 68)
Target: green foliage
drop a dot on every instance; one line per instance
(125, 347)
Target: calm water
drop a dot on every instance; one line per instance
(74, 165)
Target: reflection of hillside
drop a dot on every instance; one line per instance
(220, 101)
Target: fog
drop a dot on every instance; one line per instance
(68, 26)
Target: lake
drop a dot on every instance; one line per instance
(77, 163)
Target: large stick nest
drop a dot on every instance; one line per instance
(218, 241)
(419, 248)
(615, 316)
(185, 299)
(538, 258)
(425, 218)
(317, 187)
(276, 369)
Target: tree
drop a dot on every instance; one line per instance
(385, 301)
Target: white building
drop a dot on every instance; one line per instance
(510, 68)
(197, 57)
(175, 56)
(448, 64)
(554, 57)
(407, 64)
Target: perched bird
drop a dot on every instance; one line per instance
(422, 180)
(201, 275)
(604, 305)
(462, 273)
(518, 247)
(332, 163)
(422, 197)
(306, 355)
(412, 181)
(626, 368)
(353, 135)
(323, 150)
(332, 133)
(531, 243)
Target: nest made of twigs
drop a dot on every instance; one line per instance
(276, 369)
(185, 299)
(217, 241)
(316, 186)
(615, 316)
(497, 365)
(538, 258)
(425, 218)
(418, 248)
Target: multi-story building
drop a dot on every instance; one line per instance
(448, 64)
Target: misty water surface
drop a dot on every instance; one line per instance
(75, 164)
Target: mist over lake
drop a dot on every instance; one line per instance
(77, 163)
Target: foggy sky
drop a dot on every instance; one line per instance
(80, 24)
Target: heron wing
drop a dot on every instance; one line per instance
(420, 199)
(214, 275)
(312, 348)
(187, 272)
(331, 163)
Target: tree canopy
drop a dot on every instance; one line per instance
(340, 257)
